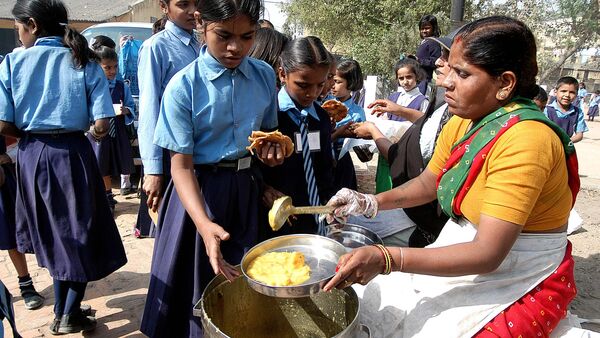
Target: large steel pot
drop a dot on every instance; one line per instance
(235, 310)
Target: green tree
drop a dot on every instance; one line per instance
(373, 32)
(562, 27)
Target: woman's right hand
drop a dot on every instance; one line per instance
(358, 266)
(212, 235)
(349, 202)
(382, 106)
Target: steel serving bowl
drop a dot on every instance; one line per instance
(321, 255)
(353, 236)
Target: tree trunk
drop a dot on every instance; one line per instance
(567, 54)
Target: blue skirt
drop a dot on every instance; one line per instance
(113, 152)
(8, 194)
(593, 111)
(180, 267)
(62, 213)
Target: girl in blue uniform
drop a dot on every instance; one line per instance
(348, 79)
(303, 72)
(208, 219)
(49, 93)
(160, 57)
(114, 153)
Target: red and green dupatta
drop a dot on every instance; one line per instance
(468, 155)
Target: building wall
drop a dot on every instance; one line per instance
(145, 11)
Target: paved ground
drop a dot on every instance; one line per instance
(119, 298)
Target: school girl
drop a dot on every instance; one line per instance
(348, 79)
(114, 153)
(408, 74)
(8, 195)
(160, 57)
(49, 93)
(209, 215)
(303, 72)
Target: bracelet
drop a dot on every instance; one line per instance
(388, 259)
(401, 260)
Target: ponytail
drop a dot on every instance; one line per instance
(51, 18)
(82, 54)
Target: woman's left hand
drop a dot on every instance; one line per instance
(270, 154)
(359, 266)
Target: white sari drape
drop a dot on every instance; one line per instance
(410, 305)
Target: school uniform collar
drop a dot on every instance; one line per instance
(112, 83)
(559, 110)
(413, 92)
(287, 105)
(53, 41)
(214, 69)
(185, 37)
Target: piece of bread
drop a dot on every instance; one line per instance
(257, 138)
(336, 110)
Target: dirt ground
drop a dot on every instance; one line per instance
(119, 298)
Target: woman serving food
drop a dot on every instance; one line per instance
(507, 177)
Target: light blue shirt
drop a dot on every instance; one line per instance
(209, 111)
(355, 113)
(161, 57)
(127, 100)
(580, 127)
(41, 90)
(595, 101)
(287, 105)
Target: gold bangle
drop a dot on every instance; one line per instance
(388, 259)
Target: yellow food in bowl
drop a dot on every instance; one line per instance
(280, 269)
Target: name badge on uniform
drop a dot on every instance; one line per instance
(314, 141)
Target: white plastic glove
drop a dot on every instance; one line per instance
(350, 202)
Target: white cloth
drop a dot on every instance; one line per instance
(410, 305)
(429, 131)
(386, 223)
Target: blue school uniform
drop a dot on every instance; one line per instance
(571, 121)
(8, 195)
(322, 159)
(593, 110)
(208, 111)
(62, 213)
(113, 152)
(160, 57)
(345, 176)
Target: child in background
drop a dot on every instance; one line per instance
(409, 74)
(49, 93)
(541, 99)
(564, 113)
(8, 196)
(114, 153)
(581, 94)
(428, 51)
(161, 56)
(303, 71)
(348, 78)
(209, 217)
(268, 45)
(326, 92)
(594, 101)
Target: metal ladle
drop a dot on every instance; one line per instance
(283, 208)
